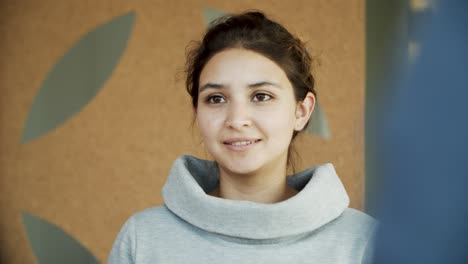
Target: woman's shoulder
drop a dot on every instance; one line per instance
(359, 217)
(155, 221)
(353, 221)
(152, 216)
(149, 229)
(158, 210)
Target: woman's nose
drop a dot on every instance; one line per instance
(238, 116)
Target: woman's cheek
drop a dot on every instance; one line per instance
(209, 122)
(280, 119)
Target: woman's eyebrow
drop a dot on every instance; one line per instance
(253, 85)
(259, 84)
(211, 85)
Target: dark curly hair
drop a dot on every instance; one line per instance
(252, 30)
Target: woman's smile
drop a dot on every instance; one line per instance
(241, 144)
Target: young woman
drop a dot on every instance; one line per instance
(252, 93)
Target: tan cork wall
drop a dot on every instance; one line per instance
(110, 159)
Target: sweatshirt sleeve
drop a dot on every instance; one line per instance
(123, 250)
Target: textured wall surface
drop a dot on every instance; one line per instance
(111, 159)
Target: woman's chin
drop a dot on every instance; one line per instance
(241, 167)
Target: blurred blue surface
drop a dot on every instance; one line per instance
(424, 209)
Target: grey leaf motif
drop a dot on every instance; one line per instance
(211, 14)
(318, 124)
(52, 245)
(78, 76)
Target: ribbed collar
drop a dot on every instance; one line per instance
(321, 198)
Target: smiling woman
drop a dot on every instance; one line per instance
(252, 93)
(247, 119)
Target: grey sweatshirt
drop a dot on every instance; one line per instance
(314, 226)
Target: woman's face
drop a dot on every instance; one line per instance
(247, 111)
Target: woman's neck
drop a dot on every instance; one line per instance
(261, 187)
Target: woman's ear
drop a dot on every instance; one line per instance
(304, 109)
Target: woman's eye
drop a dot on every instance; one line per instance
(216, 99)
(260, 97)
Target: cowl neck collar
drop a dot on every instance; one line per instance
(321, 198)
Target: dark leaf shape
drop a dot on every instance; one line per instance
(52, 245)
(211, 14)
(318, 124)
(78, 76)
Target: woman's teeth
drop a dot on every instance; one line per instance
(242, 143)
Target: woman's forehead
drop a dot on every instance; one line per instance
(241, 66)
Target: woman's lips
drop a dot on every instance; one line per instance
(241, 144)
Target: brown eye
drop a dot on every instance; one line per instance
(216, 99)
(261, 97)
